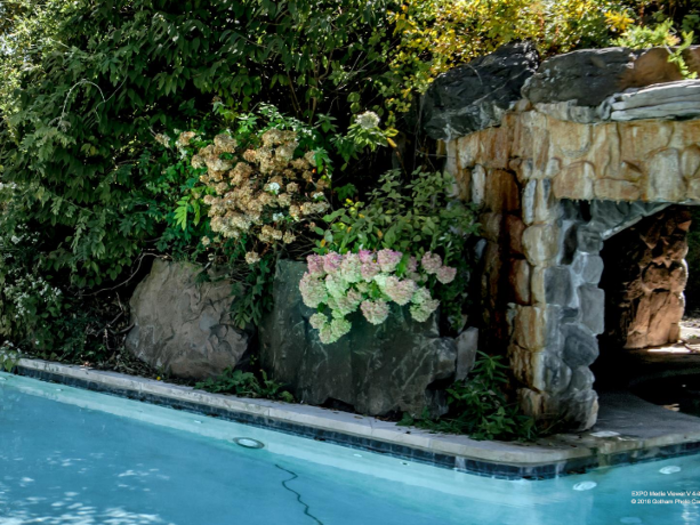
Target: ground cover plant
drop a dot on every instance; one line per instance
(479, 407)
(246, 384)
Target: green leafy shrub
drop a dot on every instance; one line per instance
(256, 184)
(35, 314)
(479, 407)
(246, 384)
(415, 216)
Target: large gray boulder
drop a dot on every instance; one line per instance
(589, 76)
(184, 327)
(474, 96)
(396, 366)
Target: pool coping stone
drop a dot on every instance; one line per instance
(550, 457)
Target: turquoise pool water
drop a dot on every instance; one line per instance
(68, 456)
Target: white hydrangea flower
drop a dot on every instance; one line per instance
(368, 120)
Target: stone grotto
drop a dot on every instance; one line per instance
(560, 157)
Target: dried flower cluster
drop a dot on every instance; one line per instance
(369, 281)
(264, 192)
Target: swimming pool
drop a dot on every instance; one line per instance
(69, 456)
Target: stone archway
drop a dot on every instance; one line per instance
(572, 316)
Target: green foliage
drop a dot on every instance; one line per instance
(416, 215)
(479, 407)
(254, 293)
(436, 35)
(89, 82)
(37, 315)
(641, 37)
(413, 216)
(9, 358)
(675, 56)
(246, 384)
(661, 35)
(28, 302)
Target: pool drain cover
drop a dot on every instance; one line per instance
(248, 442)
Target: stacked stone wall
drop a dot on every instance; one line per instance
(550, 192)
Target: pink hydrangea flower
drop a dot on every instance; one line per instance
(388, 259)
(362, 287)
(366, 256)
(315, 265)
(412, 265)
(354, 298)
(401, 292)
(339, 327)
(331, 262)
(421, 312)
(431, 262)
(336, 285)
(342, 306)
(313, 291)
(446, 274)
(375, 312)
(350, 268)
(422, 295)
(380, 279)
(325, 334)
(343, 284)
(369, 270)
(423, 305)
(415, 276)
(318, 320)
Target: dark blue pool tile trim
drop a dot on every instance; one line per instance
(471, 466)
